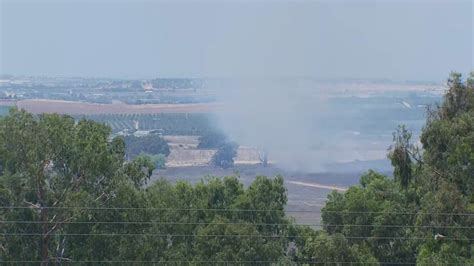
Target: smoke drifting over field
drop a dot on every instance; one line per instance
(288, 119)
(296, 120)
(312, 126)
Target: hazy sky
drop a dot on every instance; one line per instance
(415, 40)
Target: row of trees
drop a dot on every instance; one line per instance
(193, 124)
(68, 195)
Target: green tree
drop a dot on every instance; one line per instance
(222, 240)
(224, 157)
(438, 254)
(158, 160)
(152, 144)
(373, 214)
(140, 170)
(401, 156)
(50, 164)
(448, 137)
(212, 140)
(323, 249)
(422, 214)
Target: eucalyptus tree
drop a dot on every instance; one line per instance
(51, 168)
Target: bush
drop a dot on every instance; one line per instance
(158, 160)
(212, 140)
(224, 157)
(151, 144)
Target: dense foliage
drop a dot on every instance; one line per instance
(212, 140)
(68, 195)
(150, 144)
(49, 163)
(158, 160)
(225, 154)
(425, 214)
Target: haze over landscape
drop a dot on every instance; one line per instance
(237, 132)
(249, 42)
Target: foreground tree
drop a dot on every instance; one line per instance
(401, 154)
(448, 137)
(425, 214)
(50, 165)
(67, 195)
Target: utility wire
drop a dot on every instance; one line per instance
(237, 236)
(233, 210)
(233, 223)
(65, 261)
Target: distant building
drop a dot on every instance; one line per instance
(138, 133)
(143, 133)
(147, 87)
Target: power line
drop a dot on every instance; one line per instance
(65, 261)
(235, 236)
(233, 223)
(233, 210)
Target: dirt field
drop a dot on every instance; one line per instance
(75, 108)
(184, 152)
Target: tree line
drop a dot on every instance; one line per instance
(193, 124)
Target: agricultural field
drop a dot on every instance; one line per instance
(171, 119)
(184, 152)
(180, 124)
(83, 108)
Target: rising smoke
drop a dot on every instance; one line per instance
(291, 119)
